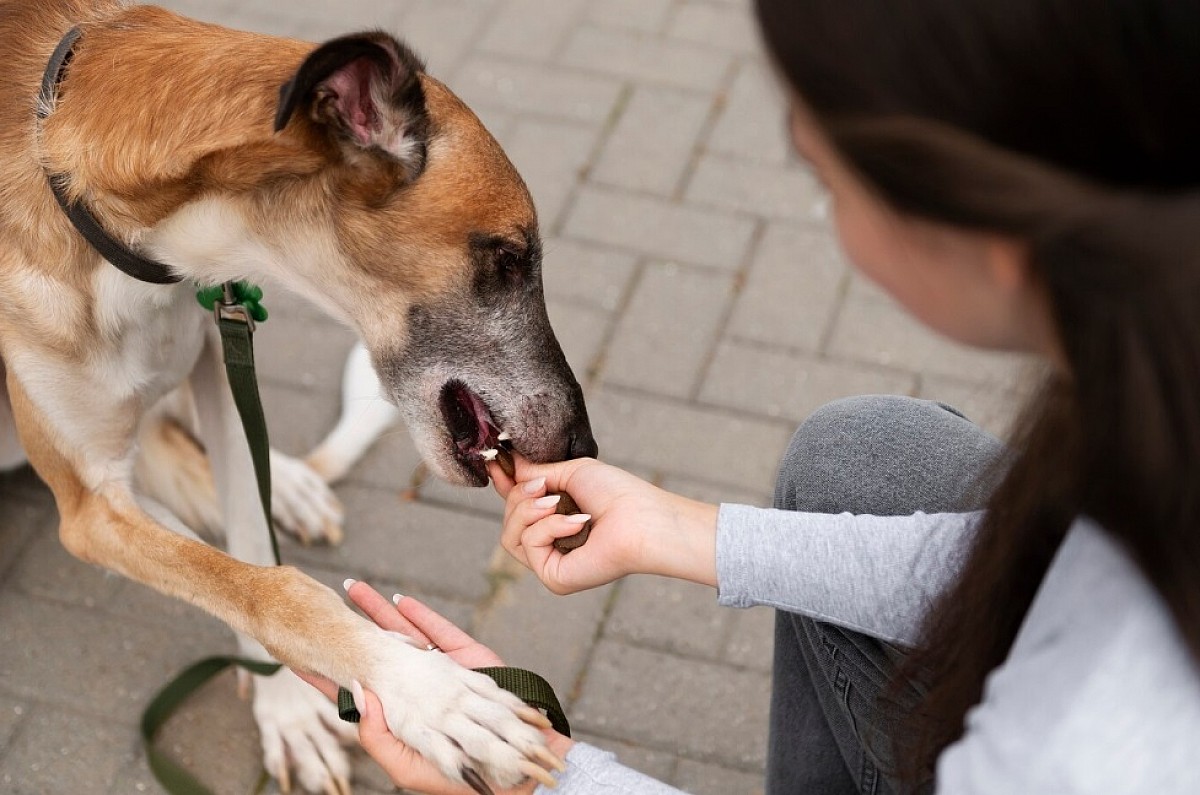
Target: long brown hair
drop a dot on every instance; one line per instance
(1071, 125)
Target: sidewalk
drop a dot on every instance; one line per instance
(694, 284)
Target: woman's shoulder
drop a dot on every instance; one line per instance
(1099, 693)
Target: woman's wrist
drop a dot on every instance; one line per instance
(686, 548)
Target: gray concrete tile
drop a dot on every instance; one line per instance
(581, 331)
(752, 125)
(659, 228)
(582, 273)
(531, 29)
(792, 290)
(443, 32)
(48, 571)
(717, 493)
(751, 642)
(649, 59)
(492, 82)
(669, 615)
(720, 27)
(791, 385)
(705, 779)
(297, 419)
(677, 438)
(639, 696)
(992, 408)
(26, 511)
(12, 712)
(647, 16)
(443, 551)
(663, 340)
(59, 750)
(770, 191)
(653, 141)
(299, 348)
(551, 156)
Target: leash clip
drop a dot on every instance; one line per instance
(230, 308)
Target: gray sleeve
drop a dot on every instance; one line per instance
(874, 574)
(591, 771)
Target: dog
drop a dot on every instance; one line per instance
(362, 185)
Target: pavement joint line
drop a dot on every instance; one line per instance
(831, 325)
(716, 109)
(572, 697)
(595, 371)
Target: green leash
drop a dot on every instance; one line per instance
(237, 307)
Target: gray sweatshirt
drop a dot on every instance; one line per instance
(1098, 694)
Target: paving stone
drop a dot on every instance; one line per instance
(24, 514)
(298, 419)
(705, 779)
(581, 332)
(877, 331)
(634, 56)
(298, 347)
(487, 81)
(656, 764)
(12, 711)
(312, 20)
(643, 15)
(653, 141)
(47, 570)
(586, 274)
(530, 627)
(663, 341)
(753, 124)
(717, 493)
(389, 464)
(446, 552)
(792, 290)
(669, 615)
(677, 438)
(442, 32)
(551, 156)
(791, 385)
(659, 228)
(770, 191)
(531, 29)
(640, 696)
(721, 27)
(751, 642)
(56, 746)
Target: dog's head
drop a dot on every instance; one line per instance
(428, 242)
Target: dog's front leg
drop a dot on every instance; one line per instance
(456, 718)
(298, 727)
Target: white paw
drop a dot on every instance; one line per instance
(302, 735)
(459, 720)
(302, 504)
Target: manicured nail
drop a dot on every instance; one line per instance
(534, 486)
(578, 518)
(549, 501)
(348, 583)
(360, 701)
(396, 597)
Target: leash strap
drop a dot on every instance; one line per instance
(525, 685)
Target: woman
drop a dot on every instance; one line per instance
(1021, 175)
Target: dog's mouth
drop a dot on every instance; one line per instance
(472, 427)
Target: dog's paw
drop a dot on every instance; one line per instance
(302, 735)
(302, 504)
(460, 720)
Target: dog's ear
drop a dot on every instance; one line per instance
(366, 90)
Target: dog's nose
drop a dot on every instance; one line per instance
(582, 444)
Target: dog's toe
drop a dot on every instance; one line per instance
(302, 504)
(302, 737)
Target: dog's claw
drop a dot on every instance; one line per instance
(343, 785)
(244, 680)
(537, 773)
(475, 781)
(533, 717)
(548, 759)
(284, 777)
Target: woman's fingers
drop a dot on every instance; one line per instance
(522, 512)
(440, 630)
(383, 612)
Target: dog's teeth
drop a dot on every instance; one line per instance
(504, 436)
(489, 455)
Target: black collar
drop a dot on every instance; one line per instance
(114, 251)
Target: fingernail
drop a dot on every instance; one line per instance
(534, 486)
(549, 501)
(360, 701)
(578, 518)
(396, 597)
(349, 582)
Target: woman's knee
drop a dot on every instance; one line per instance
(876, 454)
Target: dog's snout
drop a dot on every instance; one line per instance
(581, 443)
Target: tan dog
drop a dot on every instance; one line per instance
(365, 186)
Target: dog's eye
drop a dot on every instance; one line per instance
(509, 264)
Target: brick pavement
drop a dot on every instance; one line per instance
(693, 282)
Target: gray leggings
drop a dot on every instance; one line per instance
(886, 456)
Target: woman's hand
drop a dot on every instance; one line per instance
(636, 526)
(410, 617)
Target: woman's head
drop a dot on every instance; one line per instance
(1037, 162)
